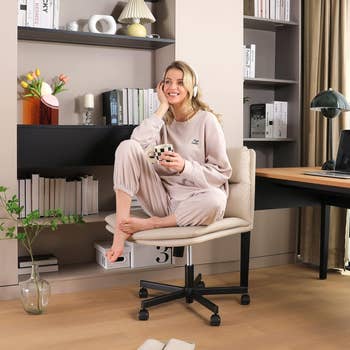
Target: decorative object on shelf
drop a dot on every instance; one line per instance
(330, 103)
(37, 89)
(72, 26)
(109, 20)
(34, 292)
(136, 13)
(89, 107)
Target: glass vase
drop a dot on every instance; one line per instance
(35, 293)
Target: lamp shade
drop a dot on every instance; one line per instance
(136, 11)
(330, 103)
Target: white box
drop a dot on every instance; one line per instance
(101, 250)
(145, 255)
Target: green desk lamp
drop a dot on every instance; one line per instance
(330, 103)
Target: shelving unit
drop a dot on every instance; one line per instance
(87, 38)
(56, 146)
(277, 78)
(73, 150)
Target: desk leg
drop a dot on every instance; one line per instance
(325, 212)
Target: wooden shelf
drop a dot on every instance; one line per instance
(266, 24)
(87, 38)
(288, 139)
(55, 146)
(268, 82)
(91, 270)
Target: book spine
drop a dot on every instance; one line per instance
(22, 196)
(28, 202)
(35, 192)
(21, 12)
(56, 14)
(30, 13)
(252, 60)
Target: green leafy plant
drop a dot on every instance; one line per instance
(32, 224)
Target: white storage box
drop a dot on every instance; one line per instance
(101, 259)
(147, 255)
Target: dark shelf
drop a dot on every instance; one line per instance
(87, 38)
(266, 24)
(268, 82)
(55, 146)
(252, 140)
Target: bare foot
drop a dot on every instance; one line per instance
(117, 247)
(131, 225)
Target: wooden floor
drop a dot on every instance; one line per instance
(290, 309)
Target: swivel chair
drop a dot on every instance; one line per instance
(238, 219)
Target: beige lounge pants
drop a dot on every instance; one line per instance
(135, 175)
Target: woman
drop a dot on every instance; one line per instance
(186, 187)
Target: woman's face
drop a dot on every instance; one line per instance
(174, 89)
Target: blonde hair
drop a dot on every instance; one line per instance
(189, 81)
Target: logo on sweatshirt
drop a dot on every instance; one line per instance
(195, 142)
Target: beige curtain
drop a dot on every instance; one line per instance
(325, 65)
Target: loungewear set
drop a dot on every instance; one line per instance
(198, 195)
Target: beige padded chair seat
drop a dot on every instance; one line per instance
(180, 236)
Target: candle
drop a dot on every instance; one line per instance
(89, 101)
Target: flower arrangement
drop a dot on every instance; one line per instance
(36, 87)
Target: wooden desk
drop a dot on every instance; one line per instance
(290, 188)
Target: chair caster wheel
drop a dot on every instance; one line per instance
(143, 292)
(201, 284)
(143, 315)
(215, 320)
(245, 299)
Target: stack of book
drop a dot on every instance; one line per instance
(46, 263)
(38, 13)
(272, 9)
(129, 106)
(269, 120)
(72, 196)
(249, 61)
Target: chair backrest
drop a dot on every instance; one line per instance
(241, 198)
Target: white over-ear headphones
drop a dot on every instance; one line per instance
(195, 86)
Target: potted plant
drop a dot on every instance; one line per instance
(35, 291)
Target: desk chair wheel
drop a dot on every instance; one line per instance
(245, 299)
(143, 315)
(143, 293)
(215, 320)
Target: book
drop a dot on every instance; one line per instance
(22, 196)
(28, 197)
(249, 6)
(21, 12)
(42, 196)
(41, 260)
(35, 192)
(258, 120)
(56, 14)
(46, 268)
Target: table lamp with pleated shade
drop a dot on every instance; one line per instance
(136, 13)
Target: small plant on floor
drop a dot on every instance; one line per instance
(30, 228)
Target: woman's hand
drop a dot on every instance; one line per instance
(164, 105)
(172, 160)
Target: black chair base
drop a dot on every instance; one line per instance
(194, 289)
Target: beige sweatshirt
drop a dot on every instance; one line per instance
(200, 142)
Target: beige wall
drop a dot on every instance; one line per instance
(213, 45)
(8, 158)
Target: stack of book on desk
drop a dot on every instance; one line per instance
(46, 263)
